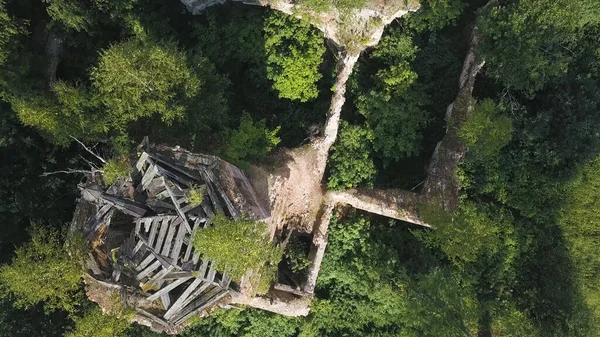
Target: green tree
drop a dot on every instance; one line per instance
(393, 107)
(236, 246)
(251, 141)
(65, 111)
(579, 222)
(350, 162)
(467, 234)
(484, 132)
(95, 323)
(139, 78)
(115, 169)
(294, 52)
(81, 15)
(526, 43)
(435, 14)
(9, 29)
(43, 271)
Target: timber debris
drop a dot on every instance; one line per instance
(140, 231)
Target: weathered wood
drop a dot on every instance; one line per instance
(207, 283)
(156, 223)
(92, 265)
(166, 300)
(188, 291)
(181, 214)
(178, 243)
(225, 281)
(148, 176)
(188, 251)
(212, 195)
(211, 177)
(168, 288)
(158, 278)
(148, 270)
(139, 166)
(161, 235)
(169, 238)
(190, 310)
(179, 274)
(137, 247)
(146, 262)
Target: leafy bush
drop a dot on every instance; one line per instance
(251, 141)
(485, 132)
(97, 324)
(43, 271)
(195, 195)
(294, 52)
(297, 256)
(350, 163)
(115, 169)
(236, 246)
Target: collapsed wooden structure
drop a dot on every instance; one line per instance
(141, 230)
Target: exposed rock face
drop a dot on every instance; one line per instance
(353, 30)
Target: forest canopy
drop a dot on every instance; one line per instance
(517, 257)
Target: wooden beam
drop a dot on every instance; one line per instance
(161, 235)
(178, 243)
(212, 301)
(181, 214)
(201, 302)
(148, 270)
(188, 291)
(188, 251)
(168, 288)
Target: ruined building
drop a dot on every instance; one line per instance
(140, 229)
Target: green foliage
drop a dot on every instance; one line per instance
(9, 30)
(251, 141)
(195, 195)
(484, 132)
(127, 83)
(115, 169)
(43, 271)
(442, 304)
(510, 322)
(297, 255)
(237, 246)
(435, 14)
(526, 43)
(394, 109)
(350, 164)
(464, 236)
(66, 111)
(80, 15)
(294, 52)
(579, 220)
(97, 324)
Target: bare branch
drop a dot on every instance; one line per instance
(88, 150)
(70, 171)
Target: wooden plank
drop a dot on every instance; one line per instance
(225, 281)
(137, 247)
(166, 301)
(148, 176)
(168, 288)
(140, 163)
(147, 224)
(181, 214)
(145, 262)
(190, 310)
(161, 235)
(179, 274)
(178, 243)
(158, 278)
(138, 225)
(211, 177)
(148, 270)
(188, 251)
(153, 230)
(188, 291)
(169, 238)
